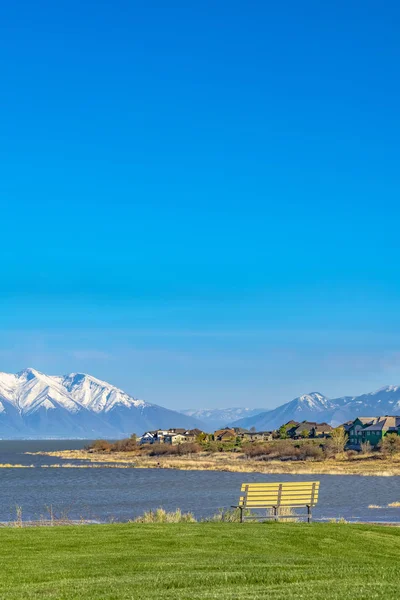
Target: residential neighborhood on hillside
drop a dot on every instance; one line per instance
(362, 430)
(371, 429)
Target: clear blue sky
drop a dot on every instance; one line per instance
(200, 200)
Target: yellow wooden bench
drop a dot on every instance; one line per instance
(273, 497)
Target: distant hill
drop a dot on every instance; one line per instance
(317, 407)
(213, 418)
(36, 405)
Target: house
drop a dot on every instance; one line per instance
(158, 436)
(290, 428)
(225, 435)
(309, 429)
(291, 424)
(372, 429)
(256, 436)
(181, 436)
(346, 426)
(149, 437)
(321, 430)
(195, 432)
(175, 438)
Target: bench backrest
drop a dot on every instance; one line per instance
(262, 495)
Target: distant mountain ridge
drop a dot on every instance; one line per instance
(78, 405)
(214, 418)
(317, 407)
(33, 404)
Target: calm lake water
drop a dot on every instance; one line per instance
(106, 494)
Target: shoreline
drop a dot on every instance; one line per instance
(235, 463)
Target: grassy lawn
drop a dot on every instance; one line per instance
(200, 560)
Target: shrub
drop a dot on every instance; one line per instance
(366, 448)
(285, 449)
(351, 454)
(100, 446)
(213, 447)
(126, 445)
(188, 448)
(174, 450)
(231, 515)
(390, 445)
(329, 449)
(162, 516)
(251, 450)
(162, 450)
(310, 450)
(282, 432)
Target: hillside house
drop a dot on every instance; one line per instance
(149, 437)
(170, 436)
(256, 436)
(185, 436)
(157, 436)
(225, 435)
(309, 429)
(176, 438)
(321, 430)
(372, 429)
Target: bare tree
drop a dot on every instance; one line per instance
(338, 439)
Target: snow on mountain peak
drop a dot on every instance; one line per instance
(30, 390)
(387, 389)
(313, 400)
(76, 405)
(313, 396)
(97, 395)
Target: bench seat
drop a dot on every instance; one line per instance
(274, 498)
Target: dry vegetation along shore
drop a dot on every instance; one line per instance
(234, 462)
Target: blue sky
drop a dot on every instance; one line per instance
(200, 200)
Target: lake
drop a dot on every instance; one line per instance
(106, 494)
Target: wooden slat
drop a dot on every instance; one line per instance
(275, 498)
(284, 491)
(309, 502)
(284, 483)
(269, 495)
(305, 501)
(275, 489)
(277, 502)
(291, 495)
(286, 496)
(287, 492)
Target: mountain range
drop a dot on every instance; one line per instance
(35, 405)
(317, 407)
(214, 418)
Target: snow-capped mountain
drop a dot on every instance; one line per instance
(33, 404)
(317, 407)
(220, 417)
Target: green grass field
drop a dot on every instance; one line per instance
(200, 560)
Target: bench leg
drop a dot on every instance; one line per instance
(309, 514)
(241, 514)
(276, 513)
